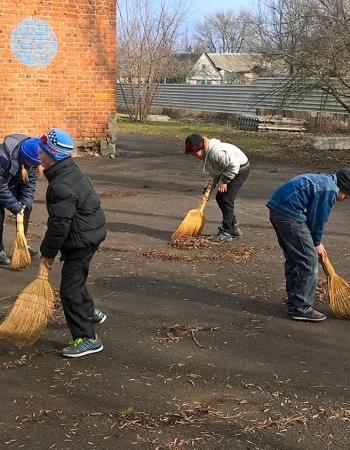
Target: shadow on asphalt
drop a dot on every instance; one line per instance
(138, 229)
(175, 291)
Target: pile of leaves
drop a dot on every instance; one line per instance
(322, 290)
(241, 253)
(191, 243)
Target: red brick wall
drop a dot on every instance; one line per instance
(58, 66)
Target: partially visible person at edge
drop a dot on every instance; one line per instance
(230, 168)
(19, 167)
(76, 227)
(299, 210)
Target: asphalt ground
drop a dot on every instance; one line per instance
(198, 349)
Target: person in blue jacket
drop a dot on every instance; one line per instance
(19, 159)
(299, 210)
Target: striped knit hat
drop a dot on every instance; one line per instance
(57, 144)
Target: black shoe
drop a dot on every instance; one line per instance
(4, 259)
(32, 251)
(221, 236)
(291, 311)
(236, 232)
(312, 316)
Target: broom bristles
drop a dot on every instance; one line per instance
(339, 291)
(31, 312)
(192, 225)
(194, 222)
(20, 254)
(339, 296)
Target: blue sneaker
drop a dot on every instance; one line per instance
(4, 259)
(81, 347)
(98, 317)
(33, 251)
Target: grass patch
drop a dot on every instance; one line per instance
(178, 130)
(276, 147)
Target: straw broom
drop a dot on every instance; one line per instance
(20, 253)
(194, 222)
(31, 312)
(339, 291)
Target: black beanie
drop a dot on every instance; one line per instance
(194, 143)
(343, 180)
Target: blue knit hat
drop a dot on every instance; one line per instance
(57, 144)
(29, 151)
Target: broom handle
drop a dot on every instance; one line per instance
(43, 272)
(327, 267)
(206, 195)
(20, 225)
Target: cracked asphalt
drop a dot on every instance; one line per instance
(198, 352)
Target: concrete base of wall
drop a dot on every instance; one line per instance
(331, 143)
(102, 147)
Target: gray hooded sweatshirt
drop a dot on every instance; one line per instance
(223, 161)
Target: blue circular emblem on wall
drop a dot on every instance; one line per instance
(34, 43)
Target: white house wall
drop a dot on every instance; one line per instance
(204, 69)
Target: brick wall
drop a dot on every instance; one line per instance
(58, 66)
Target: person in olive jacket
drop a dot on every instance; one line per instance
(19, 160)
(76, 226)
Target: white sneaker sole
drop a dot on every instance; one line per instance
(88, 352)
(306, 319)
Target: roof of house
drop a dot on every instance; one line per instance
(236, 62)
(189, 57)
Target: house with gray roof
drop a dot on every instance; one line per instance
(224, 68)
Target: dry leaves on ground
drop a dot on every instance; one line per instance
(241, 253)
(111, 193)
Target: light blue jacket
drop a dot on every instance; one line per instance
(307, 198)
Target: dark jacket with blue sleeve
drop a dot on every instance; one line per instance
(14, 193)
(307, 198)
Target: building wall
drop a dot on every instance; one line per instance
(204, 70)
(58, 66)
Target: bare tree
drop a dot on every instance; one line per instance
(312, 37)
(223, 31)
(148, 32)
(283, 26)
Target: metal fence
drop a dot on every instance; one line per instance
(264, 93)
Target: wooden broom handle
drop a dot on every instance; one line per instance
(206, 195)
(43, 272)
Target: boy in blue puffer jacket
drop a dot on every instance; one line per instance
(299, 210)
(19, 159)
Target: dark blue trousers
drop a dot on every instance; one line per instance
(301, 266)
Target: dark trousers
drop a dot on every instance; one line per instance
(301, 265)
(226, 200)
(78, 305)
(2, 219)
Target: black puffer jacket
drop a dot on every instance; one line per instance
(76, 224)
